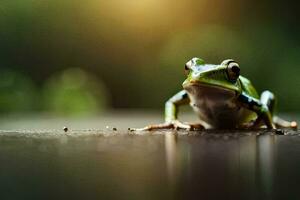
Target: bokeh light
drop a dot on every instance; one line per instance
(75, 92)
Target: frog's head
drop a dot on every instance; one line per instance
(224, 76)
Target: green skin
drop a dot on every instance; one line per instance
(222, 98)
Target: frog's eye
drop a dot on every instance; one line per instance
(227, 61)
(233, 71)
(187, 67)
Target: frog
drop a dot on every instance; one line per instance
(222, 99)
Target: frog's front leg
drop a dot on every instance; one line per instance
(261, 108)
(171, 112)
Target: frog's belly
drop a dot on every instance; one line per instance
(218, 107)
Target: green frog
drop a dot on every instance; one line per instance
(222, 98)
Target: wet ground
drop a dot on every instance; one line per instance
(106, 164)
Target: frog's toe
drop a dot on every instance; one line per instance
(154, 127)
(294, 124)
(281, 123)
(181, 125)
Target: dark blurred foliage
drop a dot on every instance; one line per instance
(133, 52)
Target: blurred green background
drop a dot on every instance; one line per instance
(74, 57)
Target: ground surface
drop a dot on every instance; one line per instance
(38, 160)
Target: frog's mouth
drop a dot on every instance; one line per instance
(212, 85)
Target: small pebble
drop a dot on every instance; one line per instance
(114, 129)
(65, 129)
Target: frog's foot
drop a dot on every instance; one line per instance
(281, 123)
(171, 125)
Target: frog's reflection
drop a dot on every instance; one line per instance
(266, 154)
(221, 162)
(170, 149)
